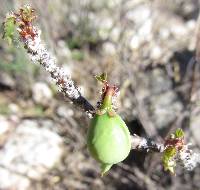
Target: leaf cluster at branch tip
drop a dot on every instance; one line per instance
(102, 77)
(173, 145)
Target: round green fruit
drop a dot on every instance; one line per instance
(108, 140)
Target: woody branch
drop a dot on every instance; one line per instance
(30, 36)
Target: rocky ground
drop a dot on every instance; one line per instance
(146, 47)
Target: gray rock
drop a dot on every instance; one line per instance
(105, 26)
(41, 93)
(194, 125)
(64, 112)
(4, 125)
(14, 108)
(140, 14)
(12, 180)
(161, 103)
(109, 48)
(29, 153)
(7, 80)
(165, 108)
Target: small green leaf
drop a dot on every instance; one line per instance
(179, 133)
(170, 166)
(102, 78)
(172, 149)
(27, 13)
(9, 28)
(170, 152)
(168, 162)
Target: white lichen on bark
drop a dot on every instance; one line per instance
(38, 53)
(188, 159)
(144, 144)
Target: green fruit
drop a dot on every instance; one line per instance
(108, 139)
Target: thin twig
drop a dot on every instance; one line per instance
(40, 54)
(144, 144)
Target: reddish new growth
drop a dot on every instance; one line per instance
(24, 19)
(109, 90)
(178, 143)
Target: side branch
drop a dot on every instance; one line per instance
(143, 144)
(30, 37)
(39, 53)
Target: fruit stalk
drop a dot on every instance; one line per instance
(107, 98)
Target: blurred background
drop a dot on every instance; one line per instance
(148, 50)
